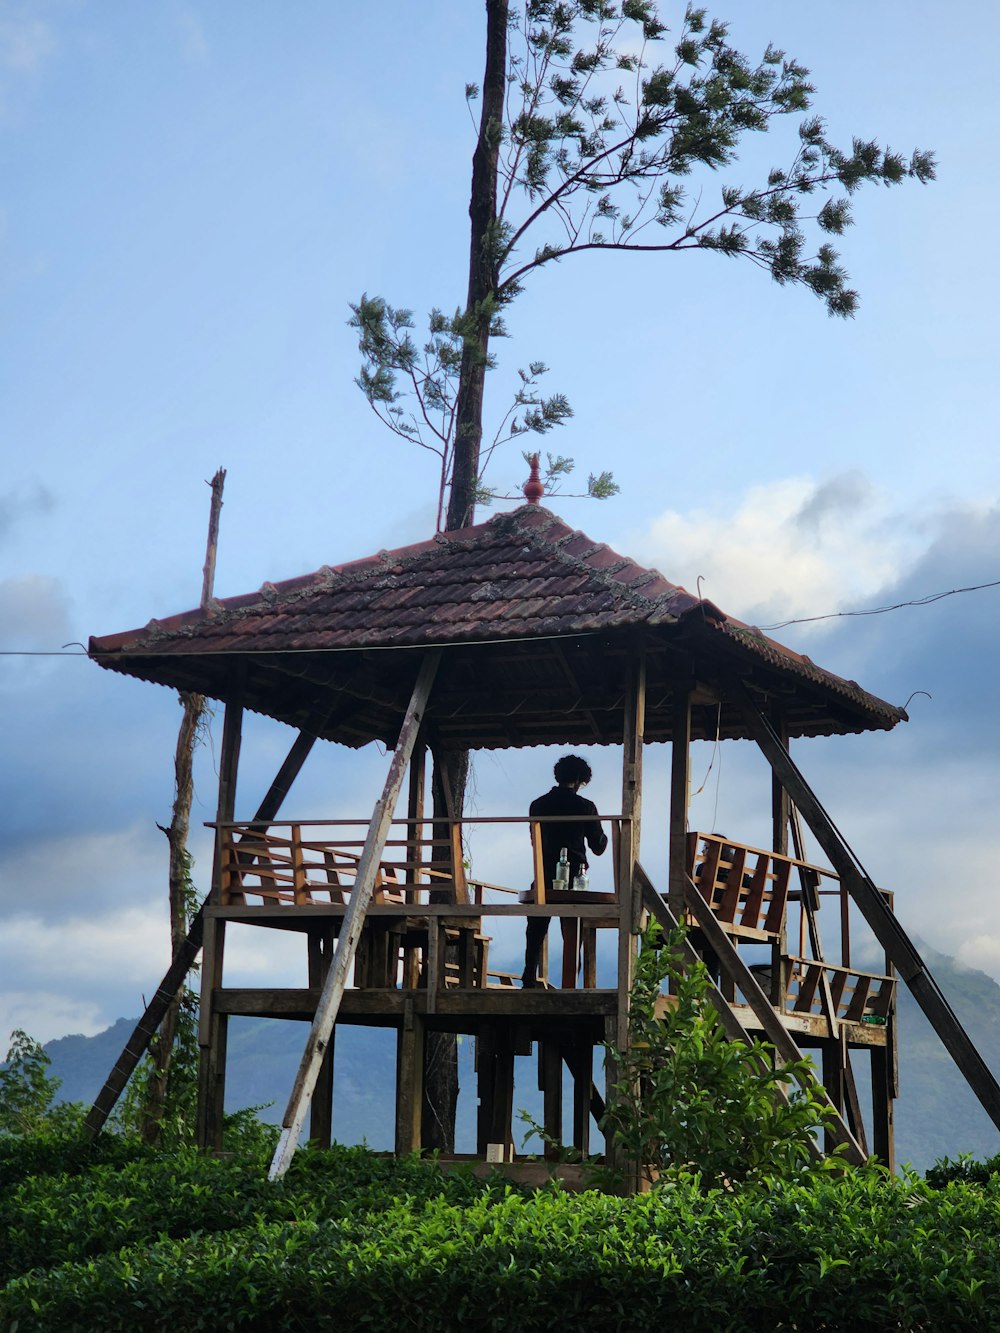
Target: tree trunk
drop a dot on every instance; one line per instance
(483, 274)
(441, 1073)
(179, 874)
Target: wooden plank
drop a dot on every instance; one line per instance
(350, 933)
(538, 864)
(774, 921)
(883, 922)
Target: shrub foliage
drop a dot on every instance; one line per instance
(348, 1240)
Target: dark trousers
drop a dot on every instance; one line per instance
(534, 937)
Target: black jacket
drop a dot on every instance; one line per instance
(575, 837)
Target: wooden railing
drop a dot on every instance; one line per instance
(425, 923)
(750, 890)
(427, 926)
(857, 997)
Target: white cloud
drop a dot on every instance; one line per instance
(796, 547)
(46, 1015)
(129, 945)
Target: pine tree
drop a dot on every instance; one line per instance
(600, 129)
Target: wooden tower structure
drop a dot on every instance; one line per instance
(515, 632)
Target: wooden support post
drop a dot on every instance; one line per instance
(321, 945)
(629, 891)
(680, 782)
(612, 1155)
(350, 932)
(883, 922)
(212, 1027)
(583, 1082)
(551, 1070)
(485, 1084)
(883, 1126)
(781, 809)
(212, 1036)
(415, 813)
(409, 1081)
(833, 1081)
(502, 1109)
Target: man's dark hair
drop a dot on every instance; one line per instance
(571, 769)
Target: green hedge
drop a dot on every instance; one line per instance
(348, 1241)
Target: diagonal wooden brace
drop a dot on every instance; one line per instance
(883, 921)
(354, 919)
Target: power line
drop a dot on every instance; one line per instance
(881, 610)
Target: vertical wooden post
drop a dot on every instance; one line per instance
(502, 1109)
(415, 813)
(212, 1030)
(550, 1068)
(680, 782)
(885, 1077)
(485, 1083)
(321, 945)
(883, 1107)
(780, 804)
(583, 1080)
(629, 890)
(833, 1081)
(409, 1081)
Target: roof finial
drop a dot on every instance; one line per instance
(534, 487)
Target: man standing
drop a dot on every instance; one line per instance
(571, 773)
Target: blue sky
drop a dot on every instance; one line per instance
(191, 195)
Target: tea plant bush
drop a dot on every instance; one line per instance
(690, 1099)
(351, 1241)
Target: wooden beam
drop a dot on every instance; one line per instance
(629, 892)
(144, 1031)
(680, 783)
(350, 933)
(212, 1027)
(780, 805)
(883, 922)
(320, 951)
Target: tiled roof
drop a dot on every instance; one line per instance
(523, 575)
